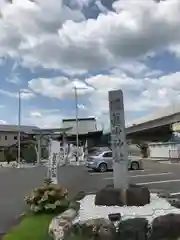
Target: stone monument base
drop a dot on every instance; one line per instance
(134, 195)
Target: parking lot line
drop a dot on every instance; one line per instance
(131, 171)
(99, 173)
(174, 194)
(159, 182)
(152, 175)
(146, 175)
(141, 170)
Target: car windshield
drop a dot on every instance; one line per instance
(95, 153)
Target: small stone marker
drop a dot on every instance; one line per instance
(55, 149)
(114, 217)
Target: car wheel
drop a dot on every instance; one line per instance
(134, 165)
(103, 167)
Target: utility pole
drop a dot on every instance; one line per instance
(19, 126)
(77, 127)
(39, 150)
(19, 130)
(77, 123)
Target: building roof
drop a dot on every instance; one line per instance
(52, 130)
(32, 129)
(85, 125)
(14, 128)
(79, 119)
(159, 113)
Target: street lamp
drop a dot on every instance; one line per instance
(19, 130)
(77, 125)
(77, 129)
(20, 92)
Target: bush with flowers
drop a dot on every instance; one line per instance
(49, 198)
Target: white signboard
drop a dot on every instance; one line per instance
(85, 151)
(118, 139)
(54, 157)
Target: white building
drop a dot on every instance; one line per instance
(166, 150)
(85, 125)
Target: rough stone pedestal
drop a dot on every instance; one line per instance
(133, 196)
(133, 229)
(166, 227)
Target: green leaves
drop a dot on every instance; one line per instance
(48, 198)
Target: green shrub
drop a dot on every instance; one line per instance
(48, 198)
(10, 155)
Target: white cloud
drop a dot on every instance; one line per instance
(82, 107)
(58, 87)
(48, 121)
(44, 118)
(120, 41)
(79, 3)
(140, 94)
(3, 122)
(35, 114)
(132, 32)
(101, 7)
(136, 29)
(14, 78)
(25, 94)
(19, 38)
(136, 69)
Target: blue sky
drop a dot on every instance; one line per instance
(49, 46)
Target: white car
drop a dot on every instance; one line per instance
(102, 161)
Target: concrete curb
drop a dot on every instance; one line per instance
(62, 223)
(169, 162)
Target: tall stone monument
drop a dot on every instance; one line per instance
(122, 193)
(118, 139)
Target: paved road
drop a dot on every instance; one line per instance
(16, 183)
(156, 176)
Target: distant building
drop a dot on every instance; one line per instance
(164, 150)
(9, 134)
(9, 138)
(85, 125)
(87, 130)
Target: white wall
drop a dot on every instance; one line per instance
(164, 150)
(84, 126)
(7, 139)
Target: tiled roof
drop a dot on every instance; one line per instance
(14, 128)
(79, 119)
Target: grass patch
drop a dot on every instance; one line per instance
(32, 227)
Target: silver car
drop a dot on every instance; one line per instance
(102, 161)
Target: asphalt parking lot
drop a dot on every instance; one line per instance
(156, 176)
(17, 183)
